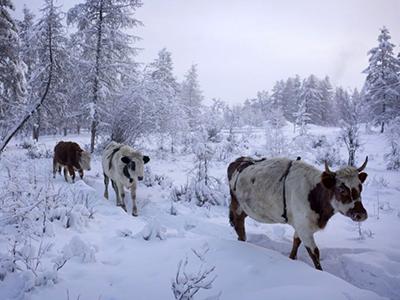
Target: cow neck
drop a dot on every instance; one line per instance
(320, 202)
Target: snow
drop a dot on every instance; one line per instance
(112, 255)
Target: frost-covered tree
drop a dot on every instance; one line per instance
(291, 95)
(302, 117)
(382, 81)
(350, 123)
(106, 50)
(12, 69)
(165, 93)
(50, 23)
(392, 158)
(277, 95)
(26, 33)
(311, 99)
(326, 105)
(191, 97)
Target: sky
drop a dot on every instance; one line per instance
(241, 47)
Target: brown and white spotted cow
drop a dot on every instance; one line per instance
(280, 190)
(70, 156)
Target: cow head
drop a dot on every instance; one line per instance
(134, 166)
(346, 185)
(84, 161)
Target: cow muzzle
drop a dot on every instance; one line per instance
(357, 213)
(140, 178)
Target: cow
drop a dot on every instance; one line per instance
(280, 190)
(70, 156)
(123, 165)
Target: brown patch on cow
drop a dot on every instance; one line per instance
(239, 165)
(343, 194)
(320, 202)
(328, 180)
(362, 176)
(355, 194)
(296, 244)
(68, 154)
(237, 220)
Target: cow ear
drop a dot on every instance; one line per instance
(125, 159)
(146, 159)
(328, 180)
(362, 176)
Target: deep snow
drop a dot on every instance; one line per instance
(112, 260)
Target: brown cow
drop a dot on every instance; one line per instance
(70, 156)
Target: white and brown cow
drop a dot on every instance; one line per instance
(71, 157)
(123, 165)
(280, 190)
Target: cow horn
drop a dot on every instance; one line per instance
(327, 168)
(363, 165)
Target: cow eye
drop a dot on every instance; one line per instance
(343, 189)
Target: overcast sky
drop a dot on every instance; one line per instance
(242, 47)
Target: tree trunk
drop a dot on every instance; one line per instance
(95, 121)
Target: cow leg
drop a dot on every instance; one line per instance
(237, 218)
(133, 196)
(115, 187)
(65, 174)
(71, 173)
(55, 167)
(80, 171)
(106, 182)
(312, 249)
(296, 244)
(122, 196)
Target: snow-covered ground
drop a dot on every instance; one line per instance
(109, 254)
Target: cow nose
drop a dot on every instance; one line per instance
(140, 178)
(359, 217)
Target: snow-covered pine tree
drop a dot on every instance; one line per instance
(54, 111)
(341, 100)
(302, 117)
(291, 94)
(311, 99)
(277, 95)
(326, 116)
(164, 93)
(27, 52)
(12, 69)
(191, 97)
(107, 51)
(382, 80)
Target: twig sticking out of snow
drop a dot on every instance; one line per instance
(187, 284)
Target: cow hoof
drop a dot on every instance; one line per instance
(123, 207)
(135, 214)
